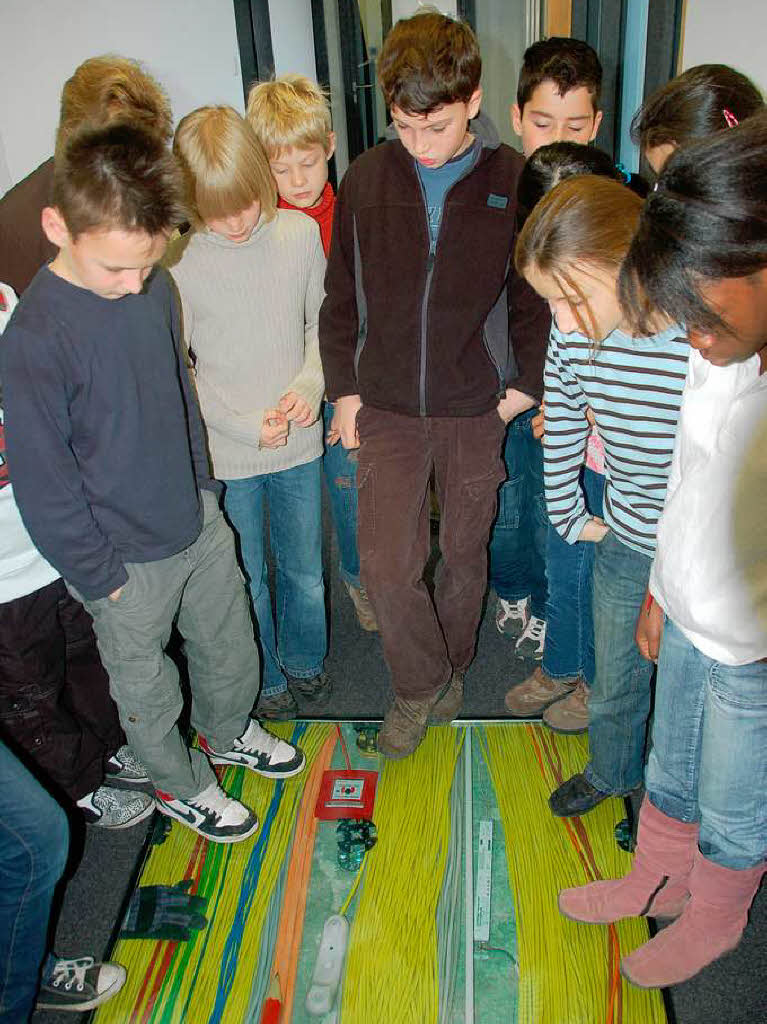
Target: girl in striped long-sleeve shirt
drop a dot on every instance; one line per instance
(570, 251)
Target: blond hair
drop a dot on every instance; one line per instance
(289, 111)
(224, 166)
(110, 89)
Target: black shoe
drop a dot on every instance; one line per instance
(575, 796)
(315, 690)
(278, 707)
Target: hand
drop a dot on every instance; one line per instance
(115, 595)
(343, 426)
(274, 429)
(590, 416)
(594, 530)
(538, 423)
(297, 409)
(649, 629)
(513, 403)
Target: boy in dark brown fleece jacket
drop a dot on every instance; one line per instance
(430, 345)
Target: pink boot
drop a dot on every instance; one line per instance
(711, 924)
(657, 882)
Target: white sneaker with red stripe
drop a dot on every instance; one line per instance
(260, 751)
(211, 814)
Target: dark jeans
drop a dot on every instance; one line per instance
(34, 838)
(569, 647)
(619, 701)
(424, 640)
(54, 692)
(340, 467)
(518, 539)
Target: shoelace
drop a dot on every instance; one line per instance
(534, 630)
(514, 609)
(69, 972)
(211, 799)
(261, 742)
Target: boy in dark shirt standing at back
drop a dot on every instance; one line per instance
(107, 452)
(422, 301)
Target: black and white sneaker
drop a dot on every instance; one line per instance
(211, 813)
(76, 985)
(123, 769)
(115, 808)
(258, 750)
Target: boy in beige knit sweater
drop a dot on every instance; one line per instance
(251, 285)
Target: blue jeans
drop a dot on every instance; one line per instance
(295, 526)
(340, 466)
(34, 839)
(619, 702)
(518, 539)
(708, 759)
(569, 649)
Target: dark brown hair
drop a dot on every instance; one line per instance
(586, 221)
(568, 63)
(118, 178)
(427, 61)
(693, 106)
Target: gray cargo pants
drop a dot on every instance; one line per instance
(201, 588)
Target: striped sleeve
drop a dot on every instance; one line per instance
(564, 445)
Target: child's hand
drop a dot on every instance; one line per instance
(649, 629)
(274, 430)
(594, 530)
(538, 423)
(513, 403)
(297, 409)
(343, 426)
(590, 416)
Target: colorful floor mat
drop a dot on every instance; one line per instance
(406, 959)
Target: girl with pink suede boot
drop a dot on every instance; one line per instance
(700, 257)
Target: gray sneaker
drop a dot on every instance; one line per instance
(115, 808)
(123, 769)
(77, 985)
(278, 707)
(532, 640)
(511, 617)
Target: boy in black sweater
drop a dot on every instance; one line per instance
(107, 452)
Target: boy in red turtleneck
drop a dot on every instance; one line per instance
(291, 118)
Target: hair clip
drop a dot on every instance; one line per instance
(730, 118)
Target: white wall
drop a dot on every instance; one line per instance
(727, 33)
(190, 46)
(406, 8)
(292, 37)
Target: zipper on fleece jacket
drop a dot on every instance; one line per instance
(430, 261)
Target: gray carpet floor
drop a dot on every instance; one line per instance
(731, 991)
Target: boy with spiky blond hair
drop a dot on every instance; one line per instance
(291, 117)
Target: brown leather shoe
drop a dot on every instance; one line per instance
(570, 715)
(528, 698)
(362, 606)
(449, 700)
(403, 727)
